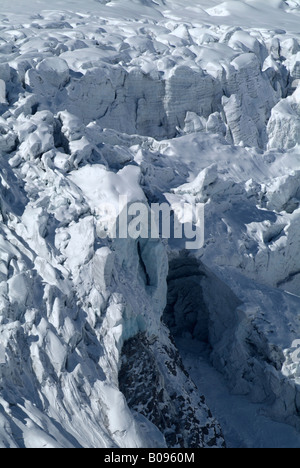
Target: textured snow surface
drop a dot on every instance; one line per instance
(194, 101)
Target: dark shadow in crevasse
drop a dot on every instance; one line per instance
(186, 314)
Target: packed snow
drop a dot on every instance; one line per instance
(159, 101)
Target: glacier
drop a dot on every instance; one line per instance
(131, 343)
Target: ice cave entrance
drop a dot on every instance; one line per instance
(186, 314)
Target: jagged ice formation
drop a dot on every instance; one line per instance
(161, 102)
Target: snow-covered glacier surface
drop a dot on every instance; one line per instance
(141, 343)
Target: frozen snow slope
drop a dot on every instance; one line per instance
(193, 101)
